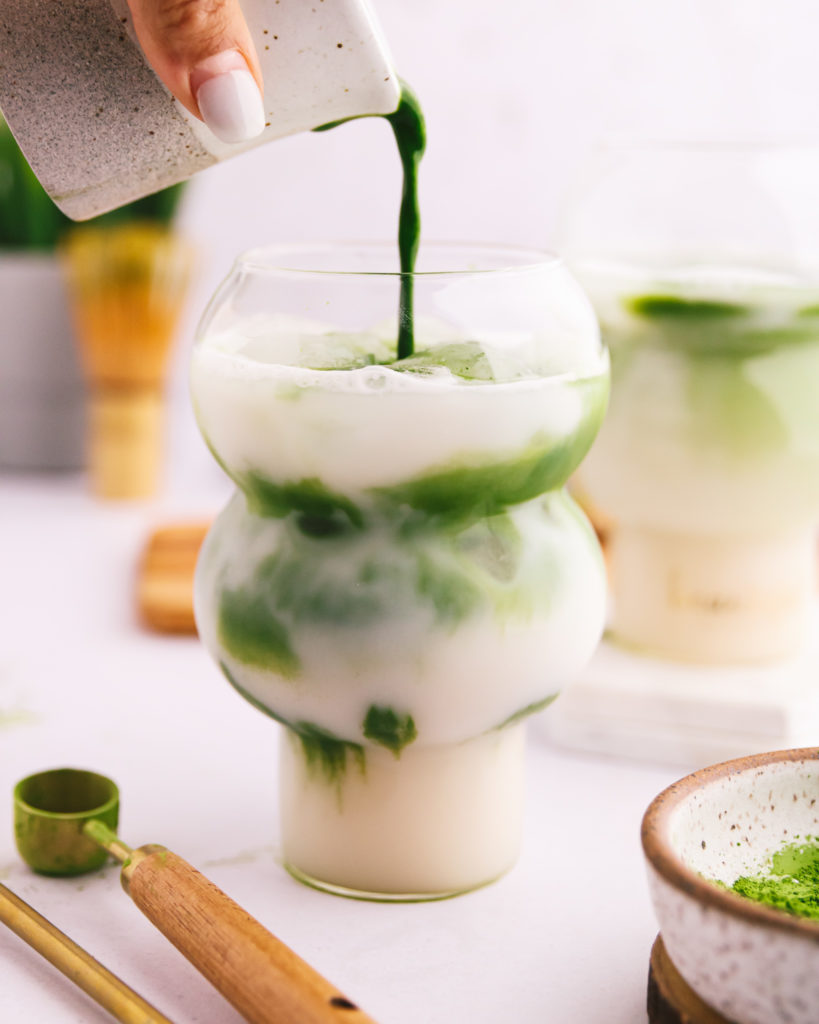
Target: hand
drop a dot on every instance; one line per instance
(203, 52)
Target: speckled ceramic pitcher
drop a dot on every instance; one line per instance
(98, 127)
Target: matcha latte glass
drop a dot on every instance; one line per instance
(703, 264)
(400, 578)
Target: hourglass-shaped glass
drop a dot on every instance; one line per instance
(400, 579)
(703, 264)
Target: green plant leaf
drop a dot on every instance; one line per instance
(29, 220)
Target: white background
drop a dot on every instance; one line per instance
(516, 92)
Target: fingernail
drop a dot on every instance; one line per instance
(228, 97)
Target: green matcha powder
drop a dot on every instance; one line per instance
(790, 883)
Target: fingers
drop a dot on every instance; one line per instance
(203, 52)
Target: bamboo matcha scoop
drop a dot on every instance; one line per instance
(65, 822)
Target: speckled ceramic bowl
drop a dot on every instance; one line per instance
(752, 963)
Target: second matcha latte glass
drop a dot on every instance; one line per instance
(400, 578)
(703, 264)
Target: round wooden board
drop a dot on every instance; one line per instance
(670, 999)
(165, 577)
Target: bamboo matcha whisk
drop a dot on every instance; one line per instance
(127, 286)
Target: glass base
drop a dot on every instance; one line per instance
(428, 825)
(711, 599)
(383, 897)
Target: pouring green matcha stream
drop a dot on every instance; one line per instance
(407, 123)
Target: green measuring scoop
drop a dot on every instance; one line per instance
(63, 820)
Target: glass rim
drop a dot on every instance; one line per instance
(33, 810)
(273, 259)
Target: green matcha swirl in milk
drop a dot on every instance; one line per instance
(407, 122)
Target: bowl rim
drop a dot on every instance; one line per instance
(661, 857)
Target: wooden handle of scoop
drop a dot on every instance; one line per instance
(259, 975)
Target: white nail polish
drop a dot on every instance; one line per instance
(231, 106)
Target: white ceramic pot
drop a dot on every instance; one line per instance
(753, 963)
(42, 392)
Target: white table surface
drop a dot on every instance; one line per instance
(565, 937)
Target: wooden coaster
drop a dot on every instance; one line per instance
(165, 577)
(670, 999)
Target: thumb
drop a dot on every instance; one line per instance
(203, 52)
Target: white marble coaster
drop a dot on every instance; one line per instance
(631, 705)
